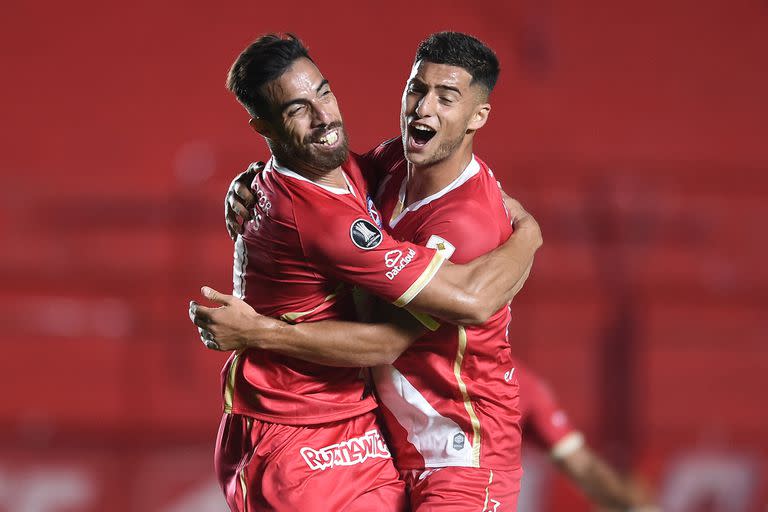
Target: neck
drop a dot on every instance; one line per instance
(425, 180)
(333, 178)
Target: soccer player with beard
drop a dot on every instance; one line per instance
(449, 400)
(295, 434)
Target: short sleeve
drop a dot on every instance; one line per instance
(464, 235)
(544, 420)
(352, 248)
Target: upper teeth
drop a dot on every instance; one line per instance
(331, 138)
(422, 128)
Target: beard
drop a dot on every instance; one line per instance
(308, 154)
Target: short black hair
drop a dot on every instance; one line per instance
(261, 62)
(464, 51)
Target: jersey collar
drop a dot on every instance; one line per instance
(273, 165)
(472, 168)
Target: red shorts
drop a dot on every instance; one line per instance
(344, 465)
(460, 489)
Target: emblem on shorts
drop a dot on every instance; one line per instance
(365, 234)
(458, 442)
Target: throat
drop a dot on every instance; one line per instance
(424, 181)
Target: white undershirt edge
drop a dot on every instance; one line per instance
(472, 168)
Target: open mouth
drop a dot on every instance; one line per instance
(328, 139)
(420, 134)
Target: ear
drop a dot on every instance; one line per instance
(261, 127)
(480, 116)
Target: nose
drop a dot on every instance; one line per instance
(321, 116)
(426, 106)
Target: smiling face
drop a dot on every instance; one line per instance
(304, 127)
(440, 110)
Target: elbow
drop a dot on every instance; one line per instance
(388, 358)
(388, 354)
(381, 358)
(478, 311)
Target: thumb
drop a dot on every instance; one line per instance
(215, 296)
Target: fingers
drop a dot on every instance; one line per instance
(516, 210)
(242, 191)
(207, 338)
(239, 200)
(200, 315)
(256, 167)
(234, 228)
(238, 206)
(216, 296)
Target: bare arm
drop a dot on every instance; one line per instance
(235, 325)
(471, 293)
(461, 294)
(601, 482)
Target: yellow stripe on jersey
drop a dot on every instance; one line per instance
(421, 282)
(229, 388)
(293, 316)
(426, 320)
(465, 395)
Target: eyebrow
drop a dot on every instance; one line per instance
(302, 101)
(451, 88)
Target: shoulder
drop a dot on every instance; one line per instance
(385, 157)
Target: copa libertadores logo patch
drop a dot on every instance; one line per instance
(365, 234)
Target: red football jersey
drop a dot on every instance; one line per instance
(451, 398)
(295, 261)
(544, 422)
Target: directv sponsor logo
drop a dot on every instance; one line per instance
(347, 453)
(404, 261)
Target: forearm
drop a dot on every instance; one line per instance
(601, 482)
(336, 343)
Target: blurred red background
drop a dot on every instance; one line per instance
(636, 132)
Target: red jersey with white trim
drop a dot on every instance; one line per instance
(544, 421)
(295, 261)
(451, 398)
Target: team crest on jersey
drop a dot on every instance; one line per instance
(373, 212)
(347, 453)
(365, 234)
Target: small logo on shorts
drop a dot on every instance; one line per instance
(365, 234)
(347, 453)
(458, 442)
